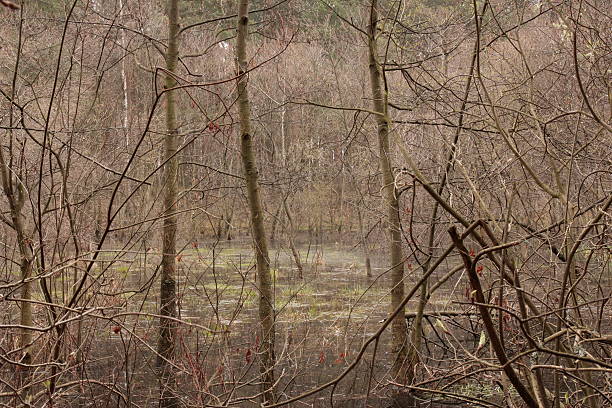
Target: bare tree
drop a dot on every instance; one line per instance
(399, 328)
(260, 242)
(167, 332)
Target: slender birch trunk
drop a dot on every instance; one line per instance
(125, 117)
(15, 194)
(167, 329)
(266, 300)
(391, 209)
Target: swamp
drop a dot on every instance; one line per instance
(306, 203)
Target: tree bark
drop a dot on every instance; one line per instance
(167, 331)
(364, 244)
(16, 196)
(390, 202)
(266, 299)
(124, 86)
(277, 215)
(291, 232)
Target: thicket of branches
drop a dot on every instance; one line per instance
(498, 119)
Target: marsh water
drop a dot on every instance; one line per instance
(321, 322)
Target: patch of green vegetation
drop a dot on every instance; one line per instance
(221, 293)
(229, 258)
(128, 294)
(123, 269)
(248, 298)
(283, 304)
(295, 292)
(352, 292)
(313, 311)
(13, 272)
(335, 303)
(219, 327)
(479, 390)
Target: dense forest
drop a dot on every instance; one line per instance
(306, 203)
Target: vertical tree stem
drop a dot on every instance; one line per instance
(391, 207)
(266, 297)
(167, 330)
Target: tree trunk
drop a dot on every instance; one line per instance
(294, 251)
(391, 208)
(266, 300)
(227, 233)
(124, 86)
(167, 330)
(16, 196)
(277, 215)
(364, 244)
